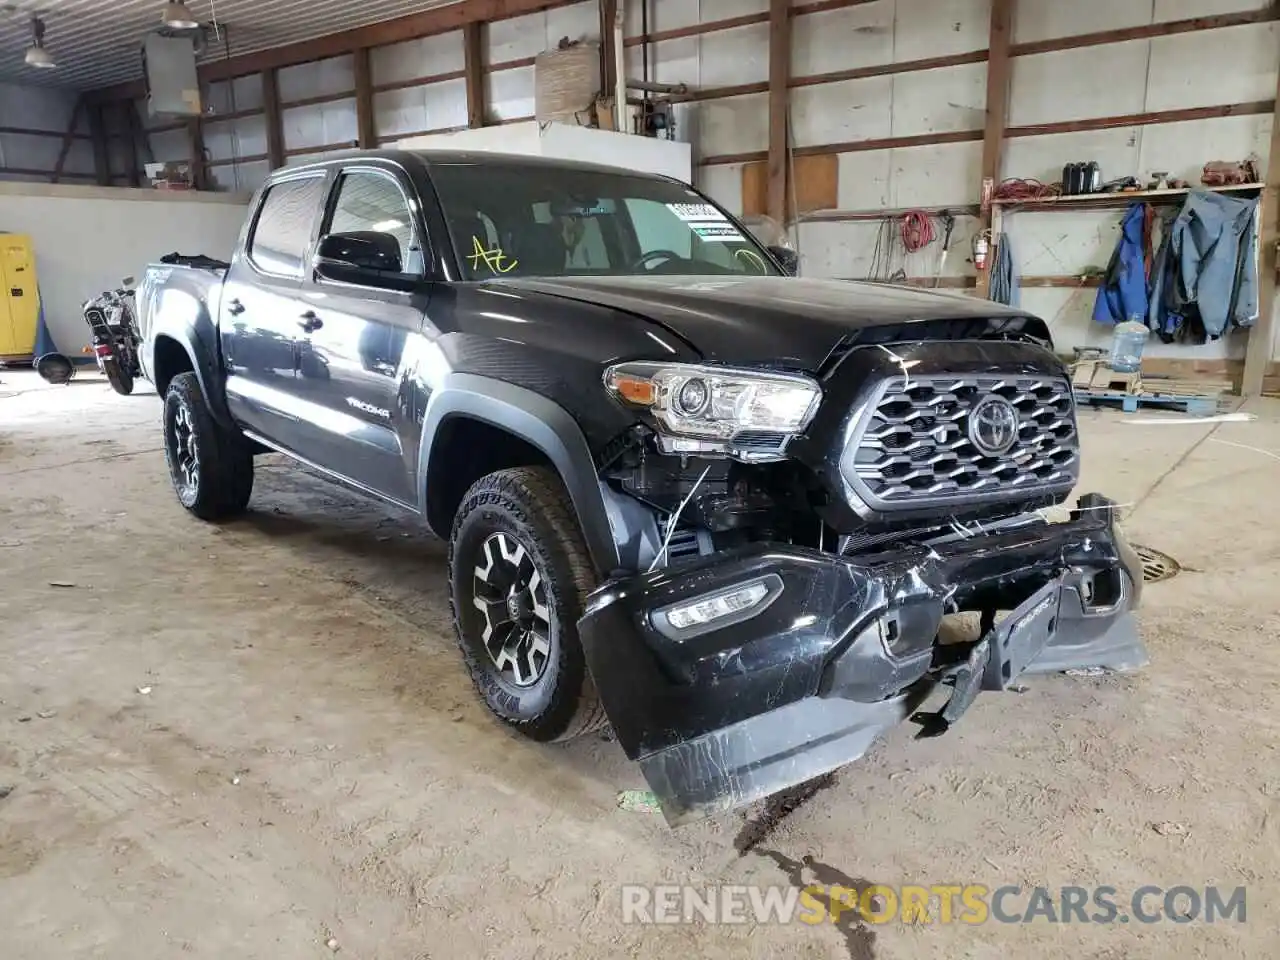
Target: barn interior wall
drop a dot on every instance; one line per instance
(81, 249)
(904, 99)
(48, 110)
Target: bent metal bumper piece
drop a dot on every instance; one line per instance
(751, 671)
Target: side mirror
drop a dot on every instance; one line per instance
(364, 257)
(787, 259)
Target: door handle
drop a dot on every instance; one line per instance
(309, 321)
(235, 307)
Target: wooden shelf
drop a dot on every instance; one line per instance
(1120, 199)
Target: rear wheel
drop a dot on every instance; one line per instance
(211, 468)
(519, 575)
(120, 378)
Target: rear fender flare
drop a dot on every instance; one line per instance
(540, 422)
(203, 362)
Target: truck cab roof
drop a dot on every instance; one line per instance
(430, 158)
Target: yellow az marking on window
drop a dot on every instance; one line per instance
(493, 259)
(751, 257)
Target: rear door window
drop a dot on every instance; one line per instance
(283, 230)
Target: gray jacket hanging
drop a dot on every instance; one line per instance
(1210, 268)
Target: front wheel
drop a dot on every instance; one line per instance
(211, 467)
(519, 576)
(119, 376)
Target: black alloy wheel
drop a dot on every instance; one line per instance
(519, 577)
(211, 466)
(511, 594)
(184, 453)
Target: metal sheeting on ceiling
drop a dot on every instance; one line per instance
(97, 43)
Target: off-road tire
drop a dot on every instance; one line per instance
(532, 505)
(224, 471)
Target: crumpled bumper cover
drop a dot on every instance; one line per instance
(844, 648)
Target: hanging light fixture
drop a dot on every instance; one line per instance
(177, 16)
(37, 55)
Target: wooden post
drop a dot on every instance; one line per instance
(473, 50)
(608, 56)
(101, 155)
(199, 167)
(365, 127)
(1002, 12)
(271, 114)
(68, 138)
(1261, 345)
(779, 77)
(144, 137)
(127, 117)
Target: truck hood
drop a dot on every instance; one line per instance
(784, 322)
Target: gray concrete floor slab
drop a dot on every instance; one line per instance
(307, 762)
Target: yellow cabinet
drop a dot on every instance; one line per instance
(19, 297)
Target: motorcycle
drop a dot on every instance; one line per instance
(111, 317)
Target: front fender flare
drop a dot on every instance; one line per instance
(542, 423)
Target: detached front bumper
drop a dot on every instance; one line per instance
(832, 651)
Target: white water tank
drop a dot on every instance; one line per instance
(670, 158)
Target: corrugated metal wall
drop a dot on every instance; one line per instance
(1231, 65)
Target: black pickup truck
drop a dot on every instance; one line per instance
(720, 507)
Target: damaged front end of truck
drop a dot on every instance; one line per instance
(793, 611)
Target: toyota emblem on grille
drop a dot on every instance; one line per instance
(993, 426)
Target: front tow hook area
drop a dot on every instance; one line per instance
(965, 681)
(1004, 653)
(841, 649)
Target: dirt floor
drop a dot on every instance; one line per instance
(258, 740)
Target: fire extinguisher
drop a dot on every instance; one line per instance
(981, 250)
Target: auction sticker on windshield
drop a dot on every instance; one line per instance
(718, 232)
(707, 222)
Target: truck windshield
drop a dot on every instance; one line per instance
(512, 219)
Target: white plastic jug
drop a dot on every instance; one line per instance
(1126, 346)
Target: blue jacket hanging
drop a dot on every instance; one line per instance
(1123, 294)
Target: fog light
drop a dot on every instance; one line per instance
(716, 610)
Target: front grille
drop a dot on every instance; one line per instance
(915, 446)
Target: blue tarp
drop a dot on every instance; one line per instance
(44, 339)
(45, 343)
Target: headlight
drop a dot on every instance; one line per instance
(714, 406)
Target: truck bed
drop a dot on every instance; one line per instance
(180, 293)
